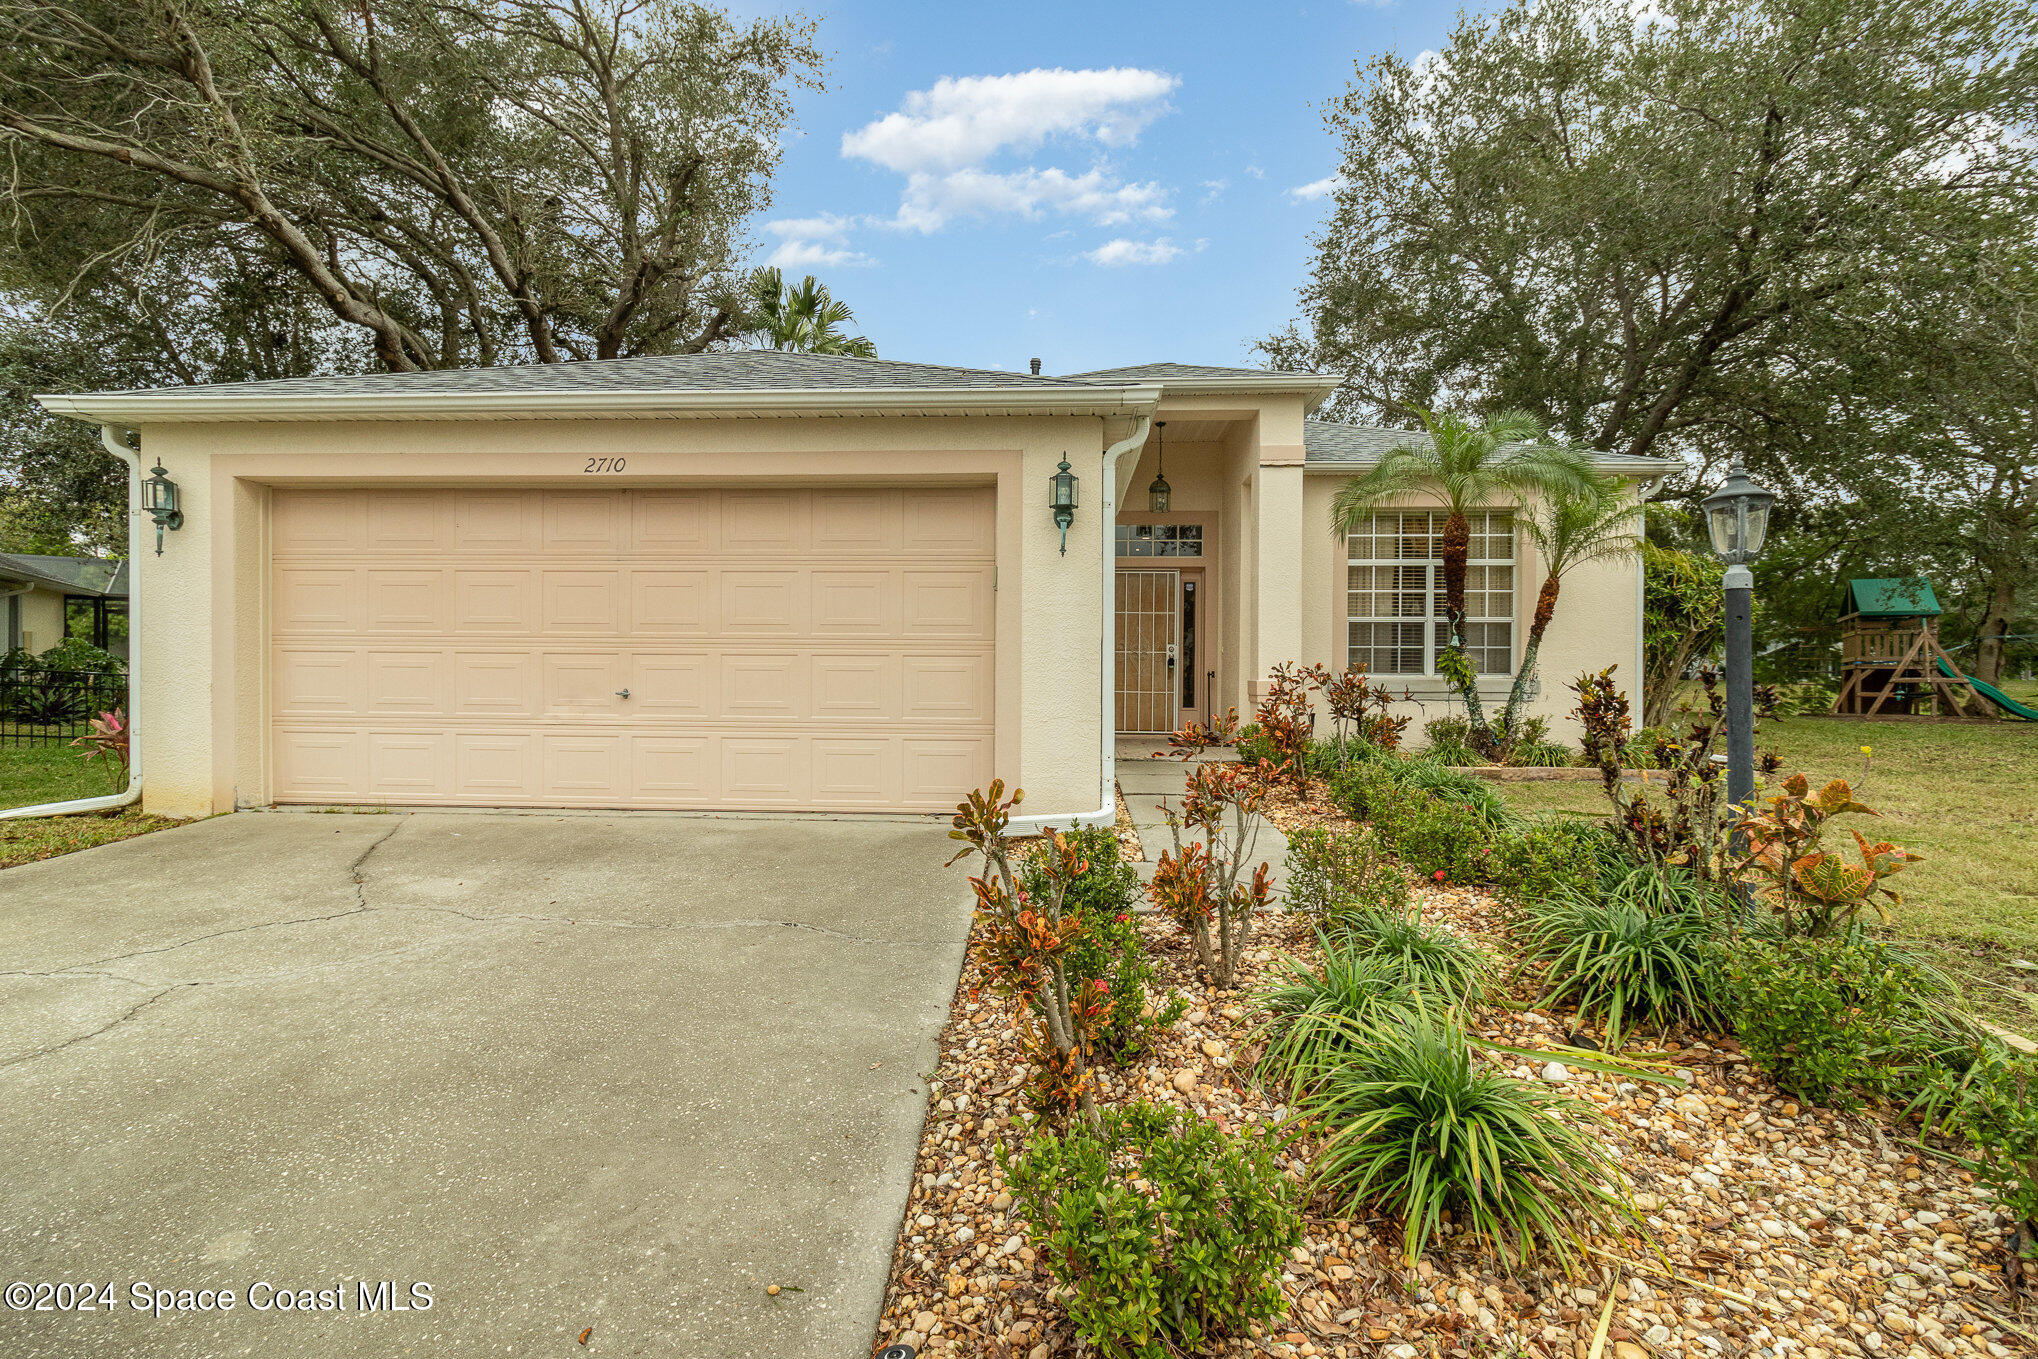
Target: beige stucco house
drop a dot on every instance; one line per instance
(764, 581)
(47, 599)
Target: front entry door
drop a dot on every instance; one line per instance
(1149, 650)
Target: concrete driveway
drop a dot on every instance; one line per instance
(565, 1071)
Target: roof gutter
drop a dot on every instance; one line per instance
(197, 405)
(1106, 813)
(110, 437)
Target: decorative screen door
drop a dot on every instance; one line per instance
(1149, 641)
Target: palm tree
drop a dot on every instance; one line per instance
(805, 317)
(1463, 466)
(1600, 524)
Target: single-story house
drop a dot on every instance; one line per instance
(768, 581)
(51, 598)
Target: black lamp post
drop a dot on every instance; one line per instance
(1737, 519)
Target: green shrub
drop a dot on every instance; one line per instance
(1363, 791)
(1455, 785)
(1167, 1233)
(1109, 948)
(1334, 871)
(1992, 1105)
(1442, 967)
(1310, 1015)
(1830, 1019)
(1440, 838)
(1650, 748)
(1456, 757)
(1542, 755)
(1541, 858)
(1619, 962)
(1448, 731)
(1417, 1128)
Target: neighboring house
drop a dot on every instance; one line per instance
(51, 598)
(767, 581)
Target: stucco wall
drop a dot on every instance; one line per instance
(1596, 623)
(42, 619)
(203, 709)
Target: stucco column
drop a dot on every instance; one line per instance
(1277, 622)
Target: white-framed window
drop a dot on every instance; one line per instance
(1395, 593)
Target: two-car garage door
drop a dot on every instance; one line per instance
(730, 648)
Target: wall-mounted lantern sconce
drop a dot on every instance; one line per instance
(1158, 494)
(1066, 491)
(159, 498)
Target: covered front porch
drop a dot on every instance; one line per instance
(1206, 548)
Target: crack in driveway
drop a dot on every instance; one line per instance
(357, 874)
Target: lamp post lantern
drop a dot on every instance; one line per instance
(1064, 492)
(1737, 520)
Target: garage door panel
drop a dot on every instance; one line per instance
(856, 687)
(672, 686)
(314, 762)
(495, 523)
(579, 684)
(951, 688)
(411, 764)
(315, 600)
(587, 526)
(946, 604)
(855, 523)
(671, 523)
(766, 524)
(495, 684)
(851, 772)
(401, 522)
(409, 682)
(855, 603)
(320, 522)
(765, 768)
(934, 767)
(496, 766)
(315, 682)
(581, 602)
(827, 649)
(495, 601)
(581, 767)
(417, 601)
(672, 603)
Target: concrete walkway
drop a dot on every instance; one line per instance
(1146, 783)
(563, 1071)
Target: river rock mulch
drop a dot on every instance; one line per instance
(1778, 1230)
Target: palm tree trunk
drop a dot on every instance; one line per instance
(1517, 694)
(1455, 549)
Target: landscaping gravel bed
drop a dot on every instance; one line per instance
(1779, 1230)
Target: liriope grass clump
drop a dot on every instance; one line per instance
(1416, 1126)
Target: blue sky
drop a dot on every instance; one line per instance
(1096, 184)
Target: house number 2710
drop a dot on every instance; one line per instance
(605, 464)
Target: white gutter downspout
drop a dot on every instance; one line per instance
(109, 436)
(1106, 813)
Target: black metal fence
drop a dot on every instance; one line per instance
(47, 707)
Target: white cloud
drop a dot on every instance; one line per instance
(961, 122)
(1256, 172)
(930, 202)
(1316, 188)
(1213, 189)
(1121, 252)
(814, 242)
(945, 138)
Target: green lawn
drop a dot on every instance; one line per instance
(55, 773)
(1964, 796)
(52, 773)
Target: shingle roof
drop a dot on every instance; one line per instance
(1148, 372)
(78, 575)
(761, 370)
(1327, 443)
